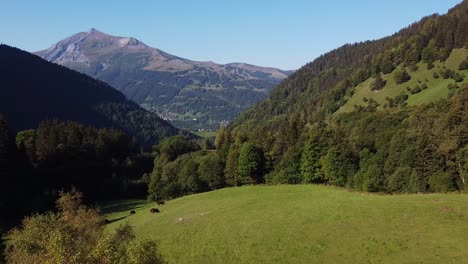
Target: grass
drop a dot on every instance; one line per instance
(205, 134)
(437, 88)
(303, 224)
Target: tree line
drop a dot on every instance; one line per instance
(36, 164)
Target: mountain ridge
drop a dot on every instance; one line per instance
(194, 94)
(51, 91)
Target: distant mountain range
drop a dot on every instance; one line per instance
(191, 94)
(34, 90)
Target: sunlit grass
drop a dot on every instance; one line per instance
(304, 224)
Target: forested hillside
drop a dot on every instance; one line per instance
(33, 90)
(376, 147)
(407, 134)
(38, 163)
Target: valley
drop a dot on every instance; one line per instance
(116, 152)
(190, 94)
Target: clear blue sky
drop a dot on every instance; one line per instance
(285, 34)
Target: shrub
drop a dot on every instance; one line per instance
(399, 180)
(447, 73)
(463, 65)
(457, 77)
(75, 234)
(416, 89)
(440, 182)
(430, 66)
(436, 75)
(401, 76)
(378, 84)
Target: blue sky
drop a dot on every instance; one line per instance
(283, 34)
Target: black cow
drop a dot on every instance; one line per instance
(132, 212)
(154, 210)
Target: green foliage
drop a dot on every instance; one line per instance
(172, 147)
(399, 181)
(401, 76)
(441, 182)
(232, 163)
(462, 166)
(378, 84)
(416, 89)
(429, 52)
(222, 142)
(400, 100)
(251, 163)
(457, 77)
(463, 65)
(337, 165)
(315, 148)
(447, 73)
(211, 171)
(75, 234)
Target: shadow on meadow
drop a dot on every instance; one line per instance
(121, 207)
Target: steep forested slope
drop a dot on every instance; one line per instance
(410, 141)
(33, 90)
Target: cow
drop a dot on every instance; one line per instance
(160, 202)
(154, 210)
(132, 212)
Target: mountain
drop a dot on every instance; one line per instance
(34, 89)
(197, 95)
(388, 115)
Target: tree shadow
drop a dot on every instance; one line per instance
(124, 206)
(116, 219)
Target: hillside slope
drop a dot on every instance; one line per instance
(435, 86)
(322, 86)
(302, 224)
(33, 90)
(189, 93)
(387, 115)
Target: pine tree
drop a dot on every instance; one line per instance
(311, 168)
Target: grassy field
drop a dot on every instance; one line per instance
(205, 134)
(437, 88)
(303, 224)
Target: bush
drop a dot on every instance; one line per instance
(416, 89)
(463, 65)
(401, 76)
(447, 73)
(457, 77)
(440, 182)
(430, 66)
(378, 84)
(211, 171)
(399, 180)
(436, 75)
(75, 234)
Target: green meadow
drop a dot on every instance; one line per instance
(302, 224)
(436, 88)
